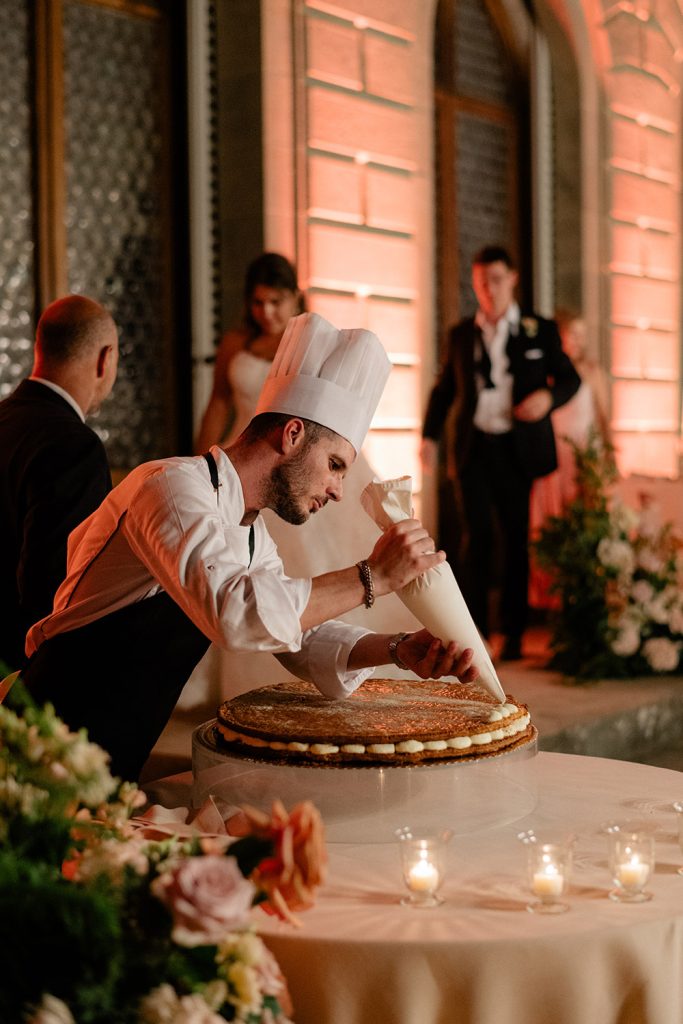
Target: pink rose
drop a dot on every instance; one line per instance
(207, 897)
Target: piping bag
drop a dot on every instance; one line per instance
(434, 598)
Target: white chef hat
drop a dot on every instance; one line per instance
(335, 378)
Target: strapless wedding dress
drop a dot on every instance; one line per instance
(337, 536)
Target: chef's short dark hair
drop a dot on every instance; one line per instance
(266, 422)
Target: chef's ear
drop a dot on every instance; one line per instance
(293, 434)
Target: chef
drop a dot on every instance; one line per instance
(177, 557)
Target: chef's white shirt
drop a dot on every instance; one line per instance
(165, 528)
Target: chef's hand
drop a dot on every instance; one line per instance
(428, 658)
(402, 553)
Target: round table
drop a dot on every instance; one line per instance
(481, 958)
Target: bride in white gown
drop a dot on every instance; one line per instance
(341, 534)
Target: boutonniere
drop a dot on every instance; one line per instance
(530, 326)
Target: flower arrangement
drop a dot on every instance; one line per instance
(617, 571)
(101, 923)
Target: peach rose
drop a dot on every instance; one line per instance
(291, 875)
(207, 896)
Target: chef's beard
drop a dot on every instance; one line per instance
(288, 490)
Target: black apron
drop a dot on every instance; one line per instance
(120, 677)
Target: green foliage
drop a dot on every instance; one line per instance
(616, 573)
(65, 935)
(84, 922)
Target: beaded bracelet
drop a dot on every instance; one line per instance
(365, 573)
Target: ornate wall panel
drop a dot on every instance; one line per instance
(17, 295)
(479, 114)
(482, 200)
(481, 70)
(114, 130)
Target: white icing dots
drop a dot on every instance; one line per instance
(409, 747)
(459, 742)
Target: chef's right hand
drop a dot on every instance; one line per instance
(402, 553)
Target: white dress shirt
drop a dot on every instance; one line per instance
(493, 414)
(165, 528)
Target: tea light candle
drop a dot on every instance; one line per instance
(548, 882)
(632, 874)
(423, 877)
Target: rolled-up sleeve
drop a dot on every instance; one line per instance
(324, 657)
(175, 529)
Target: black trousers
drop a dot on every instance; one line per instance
(120, 677)
(494, 486)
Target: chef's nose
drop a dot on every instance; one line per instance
(335, 491)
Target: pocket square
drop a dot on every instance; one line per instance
(533, 353)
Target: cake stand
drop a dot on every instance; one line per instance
(367, 804)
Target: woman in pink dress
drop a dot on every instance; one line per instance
(586, 412)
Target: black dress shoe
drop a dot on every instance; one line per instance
(512, 649)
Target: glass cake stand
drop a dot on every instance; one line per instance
(367, 804)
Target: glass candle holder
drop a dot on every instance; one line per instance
(631, 862)
(423, 862)
(678, 808)
(549, 868)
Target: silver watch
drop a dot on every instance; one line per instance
(393, 651)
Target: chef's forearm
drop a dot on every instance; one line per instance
(331, 595)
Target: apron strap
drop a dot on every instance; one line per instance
(213, 473)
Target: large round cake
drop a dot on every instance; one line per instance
(385, 721)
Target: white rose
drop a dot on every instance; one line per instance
(207, 897)
(163, 1006)
(662, 654)
(194, 1010)
(650, 561)
(52, 1011)
(657, 609)
(627, 641)
(642, 591)
(616, 554)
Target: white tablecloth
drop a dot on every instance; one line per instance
(481, 958)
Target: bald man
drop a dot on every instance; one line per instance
(53, 468)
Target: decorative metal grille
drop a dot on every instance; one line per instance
(483, 199)
(17, 296)
(113, 93)
(481, 64)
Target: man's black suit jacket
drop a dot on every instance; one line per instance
(536, 360)
(53, 474)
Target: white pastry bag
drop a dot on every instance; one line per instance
(434, 598)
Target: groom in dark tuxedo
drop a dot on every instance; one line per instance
(53, 468)
(505, 371)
